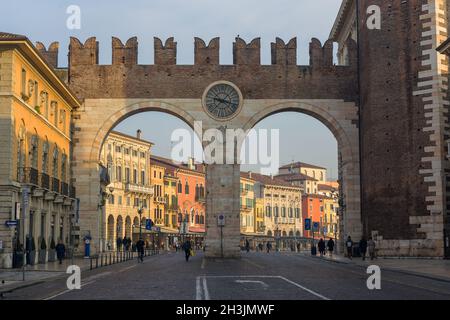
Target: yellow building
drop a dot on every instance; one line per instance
(247, 204)
(158, 200)
(127, 160)
(310, 170)
(259, 216)
(331, 209)
(35, 153)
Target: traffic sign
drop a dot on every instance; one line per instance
(11, 223)
(316, 226)
(307, 224)
(221, 220)
(148, 224)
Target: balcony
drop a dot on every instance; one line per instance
(161, 200)
(129, 187)
(72, 192)
(172, 207)
(200, 199)
(55, 185)
(64, 189)
(246, 208)
(28, 176)
(45, 181)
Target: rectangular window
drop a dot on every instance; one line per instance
(24, 82)
(120, 200)
(135, 181)
(119, 173)
(127, 175)
(142, 154)
(143, 178)
(128, 201)
(118, 149)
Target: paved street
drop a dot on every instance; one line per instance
(257, 276)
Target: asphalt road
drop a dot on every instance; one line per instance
(257, 276)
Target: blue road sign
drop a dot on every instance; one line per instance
(148, 224)
(307, 224)
(316, 226)
(11, 223)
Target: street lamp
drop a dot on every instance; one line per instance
(140, 212)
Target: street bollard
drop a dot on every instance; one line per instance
(90, 259)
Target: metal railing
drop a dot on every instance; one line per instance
(45, 181)
(55, 185)
(64, 189)
(114, 257)
(28, 175)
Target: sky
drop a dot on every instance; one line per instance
(302, 138)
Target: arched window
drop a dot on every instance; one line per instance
(180, 187)
(34, 152)
(186, 188)
(55, 162)
(268, 211)
(197, 218)
(45, 149)
(64, 167)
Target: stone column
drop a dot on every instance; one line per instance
(222, 186)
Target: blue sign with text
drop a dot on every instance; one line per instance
(307, 224)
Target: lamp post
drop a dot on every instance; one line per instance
(140, 211)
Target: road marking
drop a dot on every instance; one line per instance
(264, 285)
(205, 289)
(66, 291)
(203, 263)
(198, 289)
(304, 288)
(253, 263)
(128, 268)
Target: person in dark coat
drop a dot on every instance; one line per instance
(247, 246)
(119, 243)
(330, 245)
(269, 246)
(187, 247)
(321, 246)
(60, 251)
(363, 248)
(125, 243)
(140, 249)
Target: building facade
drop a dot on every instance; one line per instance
(129, 197)
(36, 190)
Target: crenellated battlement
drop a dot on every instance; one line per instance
(50, 54)
(166, 79)
(283, 54)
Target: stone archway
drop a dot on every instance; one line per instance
(341, 118)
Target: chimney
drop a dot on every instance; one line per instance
(250, 174)
(191, 164)
(138, 134)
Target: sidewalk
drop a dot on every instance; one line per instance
(11, 279)
(433, 268)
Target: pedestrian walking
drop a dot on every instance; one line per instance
(349, 246)
(261, 247)
(247, 246)
(330, 246)
(140, 249)
(60, 251)
(363, 248)
(321, 246)
(269, 246)
(119, 243)
(372, 246)
(187, 247)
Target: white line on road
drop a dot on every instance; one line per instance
(304, 288)
(198, 289)
(205, 289)
(128, 268)
(66, 291)
(264, 285)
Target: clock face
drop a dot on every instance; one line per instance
(222, 101)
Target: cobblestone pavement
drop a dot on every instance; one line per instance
(257, 276)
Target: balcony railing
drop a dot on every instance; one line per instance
(55, 185)
(72, 192)
(200, 198)
(246, 208)
(28, 176)
(64, 189)
(129, 187)
(45, 181)
(173, 206)
(160, 200)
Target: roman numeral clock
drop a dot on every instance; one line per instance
(222, 100)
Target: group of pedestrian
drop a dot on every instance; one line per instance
(125, 242)
(363, 245)
(322, 246)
